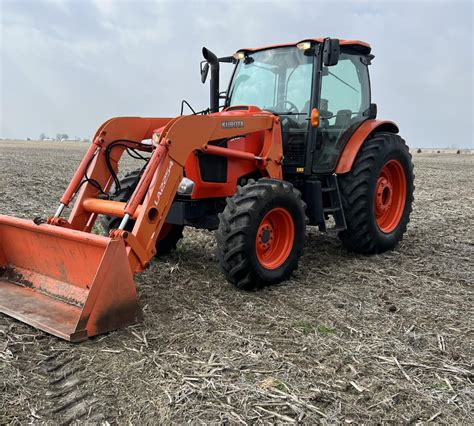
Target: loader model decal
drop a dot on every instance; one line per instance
(164, 183)
(235, 124)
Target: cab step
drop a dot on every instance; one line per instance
(323, 202)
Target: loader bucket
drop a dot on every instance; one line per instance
(68, 283)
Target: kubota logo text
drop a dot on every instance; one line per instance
(236, 124)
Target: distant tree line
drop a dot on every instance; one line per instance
(59, 137)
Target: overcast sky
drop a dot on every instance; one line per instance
(67, 66)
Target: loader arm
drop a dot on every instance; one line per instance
(61, 278)
(160, 179)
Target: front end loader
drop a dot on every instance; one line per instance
(297, 142)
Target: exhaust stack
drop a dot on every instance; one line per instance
(213, 61)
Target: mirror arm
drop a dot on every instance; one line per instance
(228, 59)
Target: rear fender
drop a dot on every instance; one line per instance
(347, 158)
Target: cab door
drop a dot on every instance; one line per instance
(343, 105)
(296, 98)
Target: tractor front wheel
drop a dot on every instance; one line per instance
(261, 233)
(377, 195)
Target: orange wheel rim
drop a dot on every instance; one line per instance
(390, 196)
(275, 237)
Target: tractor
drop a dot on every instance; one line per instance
(293, 141)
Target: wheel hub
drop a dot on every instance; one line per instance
(383, 195)
(266, 235)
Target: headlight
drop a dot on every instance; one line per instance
(186, 186)
(304, 45)
(239, 55)
(156, 138)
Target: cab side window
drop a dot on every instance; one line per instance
(345, 100)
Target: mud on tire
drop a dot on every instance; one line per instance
(366, 233)
(261, 213)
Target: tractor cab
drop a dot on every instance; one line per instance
(294, 81)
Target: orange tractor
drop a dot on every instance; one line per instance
(296, 142)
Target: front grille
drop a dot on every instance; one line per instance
(294, 151)
(213, 168)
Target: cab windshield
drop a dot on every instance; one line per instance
(277, 80)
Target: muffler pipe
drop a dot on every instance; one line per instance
(213, 61)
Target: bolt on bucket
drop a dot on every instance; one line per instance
(69, 283)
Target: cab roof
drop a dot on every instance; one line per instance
(361, 46)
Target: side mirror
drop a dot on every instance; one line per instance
(204, 70)
(331, 52)
(373, 111)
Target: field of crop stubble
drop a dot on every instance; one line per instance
(348, 339)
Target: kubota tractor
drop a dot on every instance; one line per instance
(296, 143)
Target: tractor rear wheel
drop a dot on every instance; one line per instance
(169, 234)
(261, 233)
(377, 195)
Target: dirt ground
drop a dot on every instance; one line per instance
(379, 339)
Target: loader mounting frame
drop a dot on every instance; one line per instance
(61, 278)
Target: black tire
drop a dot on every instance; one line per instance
(239, 223)
(127, 185)
(363, 233)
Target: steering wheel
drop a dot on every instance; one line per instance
(293, 107)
